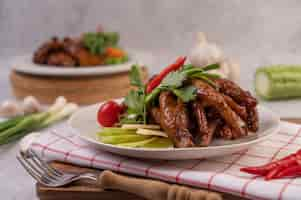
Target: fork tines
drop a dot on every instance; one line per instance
(39, 169)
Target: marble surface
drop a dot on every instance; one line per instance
(254, 32)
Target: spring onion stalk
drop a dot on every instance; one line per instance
(18, 127)
(57, 115)
(9, 123)
(58, 105)
(27, 124)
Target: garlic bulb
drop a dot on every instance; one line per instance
(10, 109)
(223, 71)
(31, 105)
(205, 53)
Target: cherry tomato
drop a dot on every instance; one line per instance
(108, 114)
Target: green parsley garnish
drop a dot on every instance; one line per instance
(96, 43)
(174, 82)
(136, 111)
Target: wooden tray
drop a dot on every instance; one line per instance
(82, 90)
(87, 190)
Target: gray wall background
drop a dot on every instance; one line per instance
(255, 32)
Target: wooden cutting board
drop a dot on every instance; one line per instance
(87, 190)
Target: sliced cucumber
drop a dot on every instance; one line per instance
(142, 131)
(117, 139)
(138, 144)
(159, 143)
(278, 82)
(115, 131)
(144, 126)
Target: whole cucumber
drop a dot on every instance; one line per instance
(278, 82)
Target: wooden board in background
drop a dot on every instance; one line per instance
(78, 89)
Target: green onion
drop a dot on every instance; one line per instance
(11, 122)
(15, 128)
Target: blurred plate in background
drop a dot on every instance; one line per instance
(24, 64)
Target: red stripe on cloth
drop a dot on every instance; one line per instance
(182, 170)
(223, 170)
(272, 147)
(120, 163)
(65, 159)
(92, 159)
(217, 188)
(146, 172)
(49, 144)
(251, 155)
(284, 188)
(244, 188)
(65, 138)
(283, 141)
(286, 134)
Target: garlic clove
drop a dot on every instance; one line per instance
(10, 109)
(205, 53)
(31, 105)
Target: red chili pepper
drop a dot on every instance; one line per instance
(157, 80)
(273, 173)
(265, 169)
(292, 171)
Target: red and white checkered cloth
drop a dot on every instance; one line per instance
(220, 174)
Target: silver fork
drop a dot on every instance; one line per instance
(46, 174)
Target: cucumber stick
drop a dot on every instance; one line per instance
(278, 82)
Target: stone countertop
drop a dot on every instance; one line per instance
(15, 182)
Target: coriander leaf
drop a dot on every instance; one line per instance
(135, 102)
(173, 80)
(135, 77)
(186, 94)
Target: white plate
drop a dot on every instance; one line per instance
(85, 124)
(24, 64)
